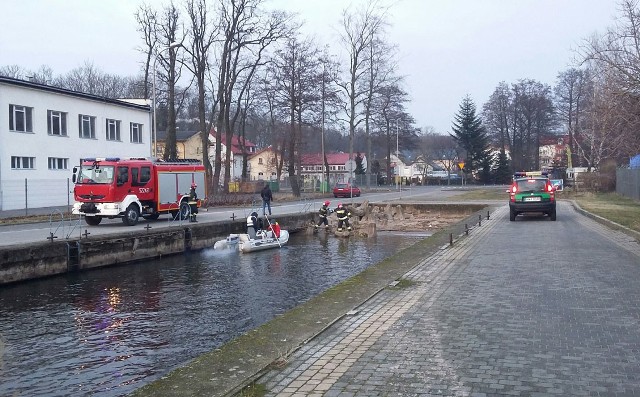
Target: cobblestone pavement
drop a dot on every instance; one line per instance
(531, 307)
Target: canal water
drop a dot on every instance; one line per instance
(109, 331)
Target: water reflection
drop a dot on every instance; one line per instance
(109, 331)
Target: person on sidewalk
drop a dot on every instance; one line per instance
(267, 196)
(323, 213)
(343, 217)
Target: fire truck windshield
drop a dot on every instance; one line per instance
(95, 174)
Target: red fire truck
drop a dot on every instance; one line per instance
(134, 187)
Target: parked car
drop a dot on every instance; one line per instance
(346, 190)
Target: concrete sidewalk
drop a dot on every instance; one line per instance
(494, 315)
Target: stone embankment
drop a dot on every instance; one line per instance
(37, 260)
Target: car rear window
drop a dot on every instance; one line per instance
(531, 185)
(341, 185)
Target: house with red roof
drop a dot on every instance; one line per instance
(239, 147)
(189, 145)
(263, 167)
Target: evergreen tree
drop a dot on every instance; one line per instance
(360, 170)
(503, 170)
(486, 168)
(470, 135)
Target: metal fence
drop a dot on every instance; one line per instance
(28, 194)
(628, 182)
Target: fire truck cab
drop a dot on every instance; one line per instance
(134, 187)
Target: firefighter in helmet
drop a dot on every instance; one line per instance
(323, 213)
(193, 202)
(343, 217)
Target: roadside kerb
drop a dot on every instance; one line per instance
(606, 222)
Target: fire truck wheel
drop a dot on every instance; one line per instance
(185, 210)
(93, 220)
(131, 215)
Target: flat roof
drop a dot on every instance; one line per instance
(77, 94)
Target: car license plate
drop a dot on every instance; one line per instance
(532, 198)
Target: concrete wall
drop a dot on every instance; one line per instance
(26, 262)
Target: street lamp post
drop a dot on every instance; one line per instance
(397, 159)
(155, 61)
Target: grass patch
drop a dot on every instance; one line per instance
(403, 283)
(253, 390)
(612, 206)
(489, 193)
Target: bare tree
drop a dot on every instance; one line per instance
(13, 71)
(246, 34)
(573, 92)
(498, 116)
(199, 41)
(391, 119)
(518, 117)
(298, 79)
(147, 20)
(168, 33)
(615, 58)
(358, 31)
(381, 75)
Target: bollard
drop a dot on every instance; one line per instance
(450, 238)
(466, 229)
(487, 215)
(479, 220)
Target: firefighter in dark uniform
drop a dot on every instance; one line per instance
(193, 202)
(343, 217)
(323, 213)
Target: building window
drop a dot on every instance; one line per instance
(259, 160)
(56, 123)
(23, 163)
(113, 130)
(135, 133)
(56, 163)
(87, 126)
(20, 118)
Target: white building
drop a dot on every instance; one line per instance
(45, 131)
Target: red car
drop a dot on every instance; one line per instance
(346, 190)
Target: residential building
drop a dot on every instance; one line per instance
(262, 165)
(238, 149)
(341, 169)
(188, 144)
(45, 131)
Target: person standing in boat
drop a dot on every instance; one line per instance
(252, 225)
(323, 213)
(343, 217)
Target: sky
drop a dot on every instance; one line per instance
(447, 49)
